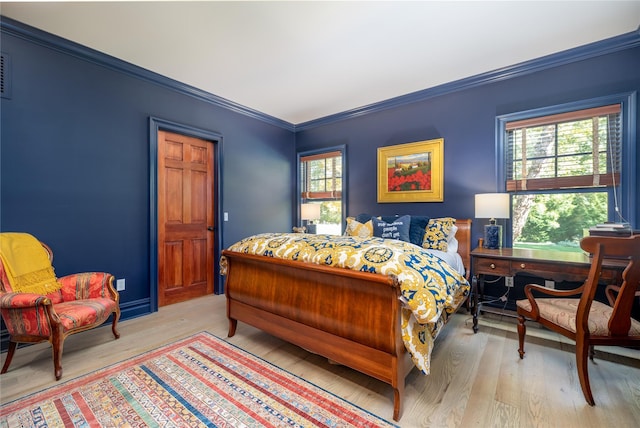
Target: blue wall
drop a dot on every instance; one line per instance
(75, 149)
(466, 119)
(75, 160)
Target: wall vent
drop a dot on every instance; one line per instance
(5, 75)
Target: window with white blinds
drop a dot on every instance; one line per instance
(321, 176)
(567, 167)
(578, 149)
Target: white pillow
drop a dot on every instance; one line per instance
(452, 242)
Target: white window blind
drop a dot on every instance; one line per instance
(578, 149)
(321, 176)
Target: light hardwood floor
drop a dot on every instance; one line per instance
(476, 379)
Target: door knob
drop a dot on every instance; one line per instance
(211, 228)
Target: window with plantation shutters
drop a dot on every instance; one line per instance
(578, 149)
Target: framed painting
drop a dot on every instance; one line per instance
(411, 172)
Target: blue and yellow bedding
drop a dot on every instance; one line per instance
(430, 289)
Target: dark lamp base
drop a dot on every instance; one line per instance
(492, 236)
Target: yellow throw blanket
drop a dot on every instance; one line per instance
(27, 264)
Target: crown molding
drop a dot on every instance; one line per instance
(603, 47)
(48, 40)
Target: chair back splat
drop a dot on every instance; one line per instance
(619, 248)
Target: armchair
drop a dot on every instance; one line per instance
(84, 301)
(583, 319)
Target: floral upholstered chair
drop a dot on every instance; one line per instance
(47, 308)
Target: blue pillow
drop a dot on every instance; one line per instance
(417, 229)
(398, 229)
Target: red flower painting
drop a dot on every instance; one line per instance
(413, 177)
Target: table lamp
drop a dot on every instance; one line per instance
(308, 214)
(492, 206)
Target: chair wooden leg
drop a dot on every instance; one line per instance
(582, 352)
(10, 351)
(114, 325)
(592, 352)
(522, 329)
(57, 340)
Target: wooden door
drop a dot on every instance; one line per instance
(185, 218)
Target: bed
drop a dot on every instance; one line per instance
(316, 292)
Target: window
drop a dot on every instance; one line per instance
(576, 149)
(321, 174)
(565, 170)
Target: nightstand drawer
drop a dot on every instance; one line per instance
(492, 267)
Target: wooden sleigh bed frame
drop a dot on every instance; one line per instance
(350, 317)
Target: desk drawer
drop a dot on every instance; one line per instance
(550, 270)
(492, 267)
(525, 266)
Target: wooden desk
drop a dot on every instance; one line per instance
(552, 265)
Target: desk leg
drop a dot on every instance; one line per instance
(474, 291)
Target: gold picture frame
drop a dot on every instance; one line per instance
(411, 172)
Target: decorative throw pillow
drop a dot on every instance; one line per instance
(398, 229)
(437, 233)
(356, 228)
(417, 229)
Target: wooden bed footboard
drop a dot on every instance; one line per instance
(350, 317)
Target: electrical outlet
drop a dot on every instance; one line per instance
(549, 284)
(508, 281)
(120, 284)
(226, 216)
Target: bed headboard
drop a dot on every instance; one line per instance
(464, 243)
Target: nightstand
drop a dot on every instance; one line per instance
(551, 265)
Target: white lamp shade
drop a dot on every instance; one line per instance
(310, 211)
(492, 205)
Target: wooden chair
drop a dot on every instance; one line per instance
(586, 321)
(85, 301)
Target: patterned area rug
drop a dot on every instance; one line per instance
(201, 381)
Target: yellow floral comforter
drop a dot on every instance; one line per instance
(430, 288)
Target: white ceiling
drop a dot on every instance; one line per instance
(303, 60)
